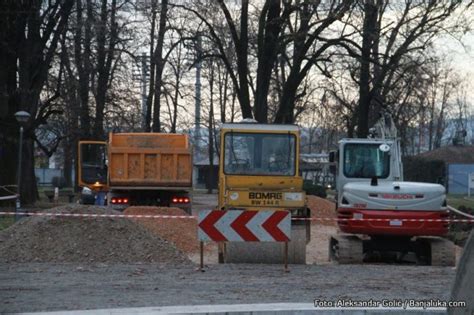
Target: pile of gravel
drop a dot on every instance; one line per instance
(181, 232)
(73, 239)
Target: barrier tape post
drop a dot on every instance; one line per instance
(201, 250)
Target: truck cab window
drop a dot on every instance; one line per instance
(93, 163)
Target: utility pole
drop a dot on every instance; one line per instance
(142, 75)
(144, 88)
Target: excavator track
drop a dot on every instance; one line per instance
(442, 251)
(346, 249)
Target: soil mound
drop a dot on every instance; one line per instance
(322, 208)
(181, 232)
(68, 239)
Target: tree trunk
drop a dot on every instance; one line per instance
(8, 154)
(151, 88)
(175, 102)
(370, 20)
(376, 100)
(160, 63)
(223, 88)
(210, 178)
(104, 64)
(29, 188)
(268, 36)
(83, 64)
(242, 62)
(285, 113)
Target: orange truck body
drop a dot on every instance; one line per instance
(149, 160)
(151, 169)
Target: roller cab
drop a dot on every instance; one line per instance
(259, 170)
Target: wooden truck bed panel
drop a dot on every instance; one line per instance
(149, 160)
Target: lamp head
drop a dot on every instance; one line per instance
(22, 116)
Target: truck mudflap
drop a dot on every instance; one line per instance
(393, 222)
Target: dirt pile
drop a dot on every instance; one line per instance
(67, 239)
(181, 232)
(322, 208)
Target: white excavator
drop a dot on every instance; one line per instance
(380, 216)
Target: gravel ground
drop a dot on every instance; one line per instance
(48, 287)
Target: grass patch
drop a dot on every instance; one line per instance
(45, 204)
(456, 201)
(6, 221)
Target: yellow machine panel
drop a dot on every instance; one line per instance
(265, 199)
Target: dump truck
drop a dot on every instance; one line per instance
(138, 169)
(259, 170)
(379, 214)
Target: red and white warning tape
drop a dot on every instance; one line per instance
(161, 216)
(385, 220)
(98, 215)
(8, 197)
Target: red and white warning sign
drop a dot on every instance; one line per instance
(244, 226)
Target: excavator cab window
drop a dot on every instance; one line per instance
(92, 163)
(362, 160)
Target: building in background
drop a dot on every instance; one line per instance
(458, 162)
(315, 167)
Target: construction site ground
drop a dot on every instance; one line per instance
(49, 264)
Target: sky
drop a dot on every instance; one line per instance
(462, 54)
(462, 58)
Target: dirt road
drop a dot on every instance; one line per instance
(41, 287)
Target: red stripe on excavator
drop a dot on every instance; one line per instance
(392, 223)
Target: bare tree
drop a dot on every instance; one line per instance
(29, 35)
(295, 30)
(383, 67)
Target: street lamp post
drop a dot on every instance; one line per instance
(22, 118)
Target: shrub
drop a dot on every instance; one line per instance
(58, 181)
(314, 189)
(421, 170)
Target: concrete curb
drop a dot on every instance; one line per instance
(240, 309)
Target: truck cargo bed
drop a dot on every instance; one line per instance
(149, 160)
